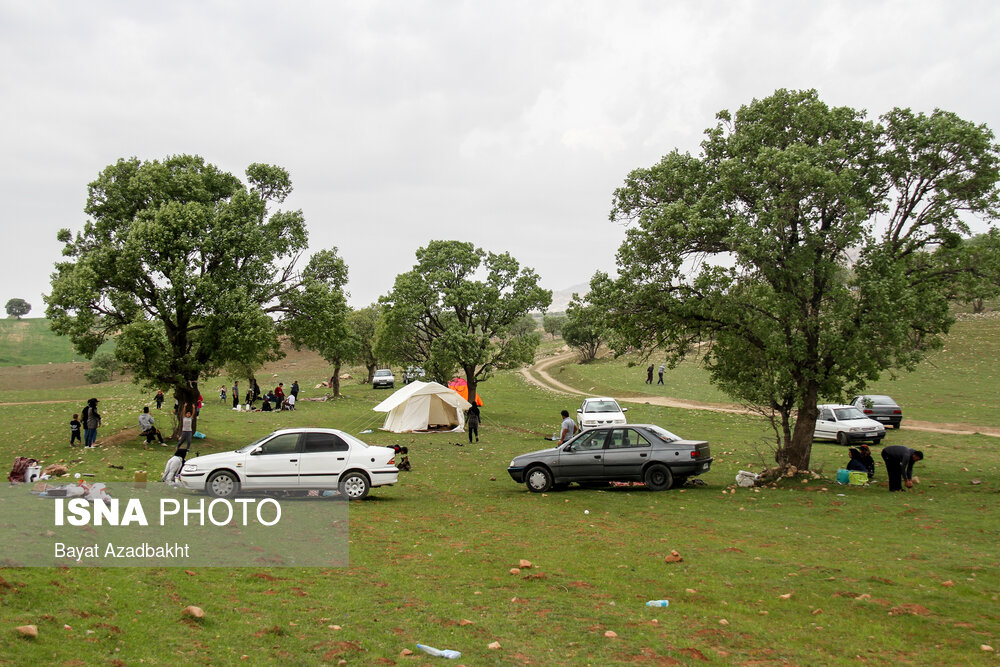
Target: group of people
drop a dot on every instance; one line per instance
(649, 374)
(276, 399)
(91, 421)
(898, 461)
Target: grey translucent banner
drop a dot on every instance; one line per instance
(156, 525)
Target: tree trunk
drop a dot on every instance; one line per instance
(796, 452)
(977, 305)
(371, 372)
(336, 380)
(470, 379)
(186, 398)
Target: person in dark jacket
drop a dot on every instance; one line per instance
(861, 460)
(899, 462)
(91, 421)
(472, 421)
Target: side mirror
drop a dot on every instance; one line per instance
(624, 409)
(256, 452)
(579, 411)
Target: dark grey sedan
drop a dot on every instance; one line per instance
(880, 408)
(634, 453)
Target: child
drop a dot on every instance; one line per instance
(173, 468)
(74, 430)
(187, 431)
(222, 393)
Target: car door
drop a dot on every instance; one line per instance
(626, 453)
(826, 425)
(274, 463)
(583, 458)
(324, 458)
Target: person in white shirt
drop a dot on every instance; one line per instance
(173, 468)
(568, 428)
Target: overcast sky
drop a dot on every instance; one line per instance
(508, 124)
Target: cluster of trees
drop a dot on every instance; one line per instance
(806, 249)
(194, 271)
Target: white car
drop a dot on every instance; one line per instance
(383, 378)
(294, 458)
(846, 424)
(600, 412)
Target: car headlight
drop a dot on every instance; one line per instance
(190, 467)
(511, 464)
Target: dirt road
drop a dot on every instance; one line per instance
(538, 375)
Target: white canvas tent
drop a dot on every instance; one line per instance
(422, 406)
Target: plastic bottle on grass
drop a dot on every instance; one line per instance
(658, 603)
(441, 653)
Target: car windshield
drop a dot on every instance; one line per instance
(382, 373)
(848, 413)
(601, 406)
(247, 448)
(663, 434)
(882, 400)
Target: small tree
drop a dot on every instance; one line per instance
(364, 324)
(319, 314)
(584, 330)
(441, 315)
(553, 324)
(18, 308)
(102, 368)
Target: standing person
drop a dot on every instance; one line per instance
(568, 428)
(91, 420)
(279, 395)
(147, 427)
(472, 419)
(222, 394)
(899, 462)
(255, 388)
(649, 374)
(159, 398)
(236, 394)
(74, 430)
(295, 390)
(187, 430)
(173, 468)
(660, 371)
(197, 407)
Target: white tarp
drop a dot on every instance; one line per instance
(420, 406)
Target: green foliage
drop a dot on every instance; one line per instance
(749, 247)
(183, 263)
(460, 307)
(318, 314)
(584, 329)
(102, 368)
(18, 308)
(975, 263)
(363, 324)
(553, 324)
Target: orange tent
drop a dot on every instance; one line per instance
(462, 387)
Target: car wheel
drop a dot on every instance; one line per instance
(658, 477)
(353, 486)
(223, 484)
(538, 479)
(842, 438)
(876, 441)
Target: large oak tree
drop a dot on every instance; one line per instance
(805, 244)
(185, 265)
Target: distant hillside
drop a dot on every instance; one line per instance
(28, 342)
(561, 298)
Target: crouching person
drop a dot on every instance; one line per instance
(172, 471)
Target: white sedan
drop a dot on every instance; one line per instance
(295, 458)
(600, 412)
(846, 424)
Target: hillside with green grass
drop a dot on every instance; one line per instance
(28, 342)
(805, 572)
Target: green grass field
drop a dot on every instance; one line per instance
(30, 341)
(808, 573)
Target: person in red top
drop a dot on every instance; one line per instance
(279, 395)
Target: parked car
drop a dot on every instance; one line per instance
(383, 378)
(413, 373)
(600, 411)
(294, 458)
(880, 408)
(634, 453)
(846, 424)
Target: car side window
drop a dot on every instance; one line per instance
(287, 443)
(324, 442)
(827, 415)
(590, 441)
(626, 437)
